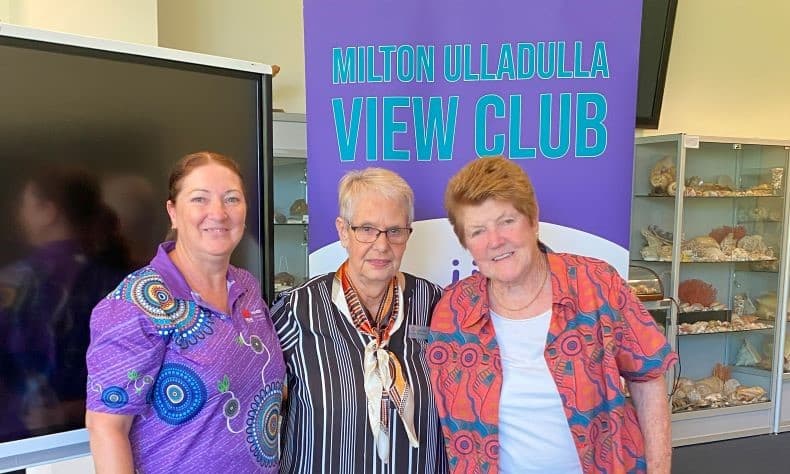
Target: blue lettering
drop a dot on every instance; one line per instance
(344, 65)
(515, 150)
(347, 137)
(481, 123)
(546, 126)
(434, 128)
(600, 65)
(391, 127)
(586, 124)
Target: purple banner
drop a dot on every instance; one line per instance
(424, 87)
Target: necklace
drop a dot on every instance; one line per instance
(531, 300)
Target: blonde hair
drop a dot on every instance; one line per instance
(377, 180)
(482, 179)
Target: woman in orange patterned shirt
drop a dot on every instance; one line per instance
(526, 355)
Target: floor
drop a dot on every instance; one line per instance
(767, 454)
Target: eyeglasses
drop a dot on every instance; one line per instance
(367, 234)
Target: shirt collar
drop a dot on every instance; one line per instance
(177, 284)
(475, 291)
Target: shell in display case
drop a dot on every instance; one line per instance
(645, 283)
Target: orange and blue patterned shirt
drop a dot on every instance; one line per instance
(598, 332)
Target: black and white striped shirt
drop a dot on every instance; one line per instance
(325, 427)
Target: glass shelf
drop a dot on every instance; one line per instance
(290, 201)
(681, 334)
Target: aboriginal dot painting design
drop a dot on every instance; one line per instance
(263, 424)
(183, 320)
(114, 397)
(599, 317)
(178, 394)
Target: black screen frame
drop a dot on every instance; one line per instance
(651, 120)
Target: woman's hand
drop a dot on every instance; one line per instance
(109, 441)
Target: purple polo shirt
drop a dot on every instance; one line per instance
(205, 387)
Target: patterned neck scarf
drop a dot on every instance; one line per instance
(384, 378)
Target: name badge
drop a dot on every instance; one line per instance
(418, 332)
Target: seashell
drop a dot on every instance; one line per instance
(694, 397)
(695, 181)
(703, 390)
(685, 384)
(285, 279)
(702, 242)
(729, 243)
(665, 252)
(672, 189)
(752, 243)
(739, 254)
(749, 394)
(298, 208)
(713, 383)
(679, 404)
(649, 253)
(747, 355)
(730, 386)
(665, 236)
(713, 398)
(657, 179)
(766, 305)
(714, 254)
(653, 240)
(660, 182)
(663, 167)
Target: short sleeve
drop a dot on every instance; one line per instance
(124, 358)
(285, 322)
(643, 353)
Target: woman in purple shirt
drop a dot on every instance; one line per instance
(185, 373)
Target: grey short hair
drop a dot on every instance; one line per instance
(378, 180)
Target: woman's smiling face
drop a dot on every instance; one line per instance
(209, 211)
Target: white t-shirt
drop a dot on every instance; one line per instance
(533, 431)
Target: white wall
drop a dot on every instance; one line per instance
(266, 31)
(728, 70)
(729, 73)
(5, 8)
(125, 20)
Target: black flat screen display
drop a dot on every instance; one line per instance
(114, 124)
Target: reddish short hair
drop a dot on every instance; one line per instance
(489, 178)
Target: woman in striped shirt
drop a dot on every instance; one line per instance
(359, 396)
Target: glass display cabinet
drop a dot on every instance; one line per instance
(291, 213)
(708, 218)
(783, 348)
